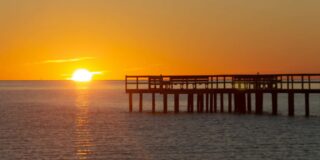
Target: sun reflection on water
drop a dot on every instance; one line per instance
(83, 139)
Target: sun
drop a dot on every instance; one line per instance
(82, 75)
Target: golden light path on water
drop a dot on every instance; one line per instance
(83, 138)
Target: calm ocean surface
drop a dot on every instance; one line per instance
(64, 120)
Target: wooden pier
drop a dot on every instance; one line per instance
(238, 89)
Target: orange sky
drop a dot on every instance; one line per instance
(42, 39)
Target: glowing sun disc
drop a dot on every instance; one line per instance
(82, 75)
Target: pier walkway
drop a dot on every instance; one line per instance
(238, 89)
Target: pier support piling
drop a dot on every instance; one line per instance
(221, 103)
(215, 103)
(176, 103)
(130, 102)
(140, 102)
(190, 103)
(165, 102)
(200, 103)
(207, 102)
(229, 102)
(249, 102)
(307, 104)
(259, 102)
(211, 103)
(240, 102)
(153, 103)
(274, 103)
(291, 104)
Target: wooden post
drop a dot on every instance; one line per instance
(207, 102)
(249, 102)
(240, 102)
(188, 104)
(165, 102)
(259, 102)
(291, 104)
(140, 102)
(191, 102)
(274, 103)
(211, 102)
(176, 103)
(153, 103)
(200, 102)
(130, 102)
(307, 104)
(221, 102)
(230, 103)
(215, 102)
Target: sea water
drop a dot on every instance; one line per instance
(67, 120)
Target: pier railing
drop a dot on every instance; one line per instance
(235, 82)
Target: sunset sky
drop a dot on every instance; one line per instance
(50, 39)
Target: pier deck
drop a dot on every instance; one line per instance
(238, 89)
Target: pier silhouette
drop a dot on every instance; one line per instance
(239, 90)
